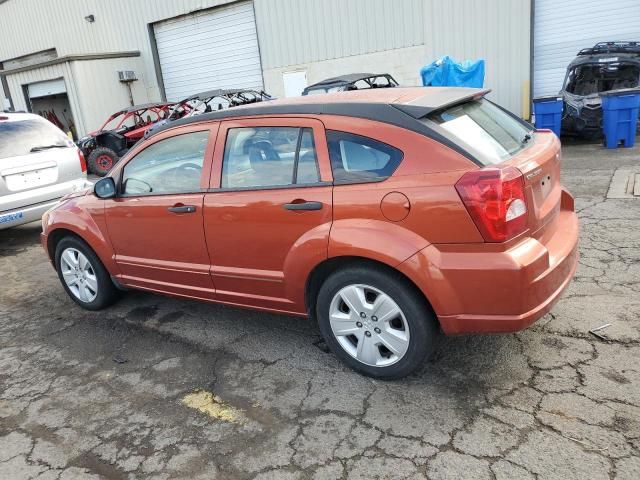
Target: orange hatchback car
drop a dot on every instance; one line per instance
(387, 215)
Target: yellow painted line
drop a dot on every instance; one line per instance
(213, 406)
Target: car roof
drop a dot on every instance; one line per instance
(400, 106)
(616, 51)
(374, 104)
(18, 117)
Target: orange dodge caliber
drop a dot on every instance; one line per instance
(387, 215)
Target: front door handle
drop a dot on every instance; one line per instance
(182, 209)
(303, 206)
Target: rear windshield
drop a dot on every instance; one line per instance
(483, 129)
(25, 136)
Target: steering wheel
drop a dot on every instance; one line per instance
(181, 175)
(189, 166)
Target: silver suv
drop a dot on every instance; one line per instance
(39, 164)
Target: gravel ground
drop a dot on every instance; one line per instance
(162, 388)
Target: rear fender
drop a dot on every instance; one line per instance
(309, 251)
(378, 240)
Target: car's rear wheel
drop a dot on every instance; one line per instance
(376, 321)
(83, 276)
(102, 160)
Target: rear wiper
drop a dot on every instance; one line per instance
(526, 138)
(47, 147)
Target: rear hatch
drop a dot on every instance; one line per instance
(36, 160)
(540, 167)
(498, 140)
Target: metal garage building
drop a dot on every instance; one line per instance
(63, 56)
(181, 47)
(562, 29)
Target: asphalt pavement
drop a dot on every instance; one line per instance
(159, 388)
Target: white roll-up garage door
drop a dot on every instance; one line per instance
(48, 87)
(215, 48)
(561, 29)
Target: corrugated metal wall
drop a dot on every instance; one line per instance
(294, 32)
(120, 25)
(496, 30)
(63, 70)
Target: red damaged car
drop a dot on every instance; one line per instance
(104, 147)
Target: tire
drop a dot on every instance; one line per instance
(413, 329)
(102, 160)
(93, 288)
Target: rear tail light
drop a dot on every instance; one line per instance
(494, 198)
(83, 162)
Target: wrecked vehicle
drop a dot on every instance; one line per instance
(104, 147)
(210, 101)
(605, 67)
(352, 81)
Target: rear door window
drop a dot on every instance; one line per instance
(23, 137)
(484, 129)
(355, 158)
(172, 165)
(256, 157)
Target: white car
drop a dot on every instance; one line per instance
(39, 164)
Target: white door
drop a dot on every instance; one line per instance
(49, 87)
(211, 49)
(561, 29)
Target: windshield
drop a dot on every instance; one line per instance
(22, 137)
(483, 129)
(602, 77)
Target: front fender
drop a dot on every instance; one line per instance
(88, 223)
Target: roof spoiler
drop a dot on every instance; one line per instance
(423, 106)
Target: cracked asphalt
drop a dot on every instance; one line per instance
(106, 394)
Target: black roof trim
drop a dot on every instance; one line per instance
(393, 114)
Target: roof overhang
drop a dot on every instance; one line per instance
(72, 58)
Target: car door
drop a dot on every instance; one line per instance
(268, 214)
(155, 222)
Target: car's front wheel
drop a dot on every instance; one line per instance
(83, 276)
(376, 321)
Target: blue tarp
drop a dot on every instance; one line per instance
(446, 72)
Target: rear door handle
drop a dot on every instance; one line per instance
(303, 206)
(182, 209)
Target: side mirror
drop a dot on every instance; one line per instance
(105, 188)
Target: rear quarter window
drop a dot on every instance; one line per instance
(355, 158)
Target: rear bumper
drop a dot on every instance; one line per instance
(29, 214)
(33, 212)
(483, 290)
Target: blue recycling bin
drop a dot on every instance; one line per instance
(620, 117)
(548, 113)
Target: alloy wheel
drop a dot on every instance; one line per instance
(369, 325)
(79, 275)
